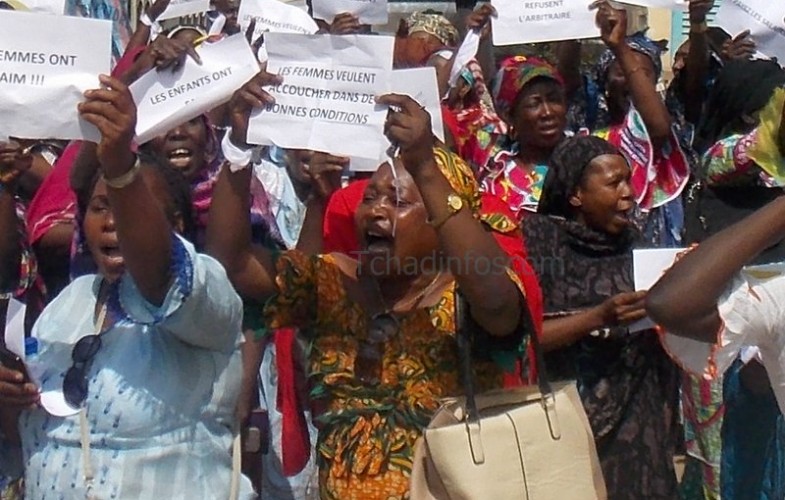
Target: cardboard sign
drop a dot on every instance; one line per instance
(165, 99)
(533, 21)
(327, 99)
(43, 78)
(765, 20)
(367, 11)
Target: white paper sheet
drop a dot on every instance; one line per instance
(48, 6)
(420, 84)
(180, 8)
(466, 52)
(15, 327)
(531, 21)
(648, 267)
(165, 99)
(275, 17)
(659, 4)
(368, 11)
(43, 77)
(327, 99)
(765, 20)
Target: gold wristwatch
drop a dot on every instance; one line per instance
(454, 205)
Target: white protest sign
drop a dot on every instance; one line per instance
(327, 99)
(466, 52)
(275, 17)
(765, 20)
(50, 6)
(533, 21)
(43, 78)
(165, 99)
(658, 4)
(421, 85)
(180, 8)
(648, 267)
(367, 11)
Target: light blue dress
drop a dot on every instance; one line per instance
(161, 395)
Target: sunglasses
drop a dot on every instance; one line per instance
(75, 381)
(370, 351)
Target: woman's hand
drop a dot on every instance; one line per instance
(622, 309)
(15, 392)
(612, 23)
(345, 24)
(167, 53)
(742, 46)
(324, 171)
(699, 9)
(480, 19)
(249, 96)
(113, 111)
(14, 161)
(408, 127)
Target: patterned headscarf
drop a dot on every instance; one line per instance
(433, 24)
(515, 72)
(462, 181)
(638, 42)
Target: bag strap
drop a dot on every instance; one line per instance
(463, 336)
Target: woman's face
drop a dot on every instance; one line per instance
(604, 199)
(540, 114)
(99, 229)
(184, 147)
(391, 225)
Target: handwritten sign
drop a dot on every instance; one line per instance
(765, 20)
(275, 17)
(327, 99)
(533, 21)
(165, 99)
(659, 4)
(420, 84)
(367, 11)
(180, 8)
(49, 6)
(43, 78)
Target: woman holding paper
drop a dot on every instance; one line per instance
(138, 366)
(382, 350)
(581, 243)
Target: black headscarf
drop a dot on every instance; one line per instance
(742, 88)
(565, 172)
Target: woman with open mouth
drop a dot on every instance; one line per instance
(381, 328)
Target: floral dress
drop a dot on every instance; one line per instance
(519, 188)
(367, 432)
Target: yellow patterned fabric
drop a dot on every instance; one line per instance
(765, 152)
(367, 432)
(434, 24)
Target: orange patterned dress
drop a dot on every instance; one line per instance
(367, 433)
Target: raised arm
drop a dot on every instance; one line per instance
(568, 62)
(143, 230)
(641, 83)
(142, 33)
(250, 268)
(685, 300)
(698, 59)
(324, 171)
(466, 244)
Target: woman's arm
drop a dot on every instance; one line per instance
(568, 55)
(324, 170)
(698, 60)
(613, 29)
(142, 33)
(250, 268)
(473, 256)
(143, 230)
(684, 301)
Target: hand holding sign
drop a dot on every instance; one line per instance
(345, 24)
(249, 96)
(612, 23)
(699, 9)
(168, 53)
(409, 128)
(480, 19)
(157, 8)
(742, 46)
(112, 110)
(324, 171)
(14, 161)
(622, 309)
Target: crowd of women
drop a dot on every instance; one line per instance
(194, 289)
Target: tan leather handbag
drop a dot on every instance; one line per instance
(528, 443)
